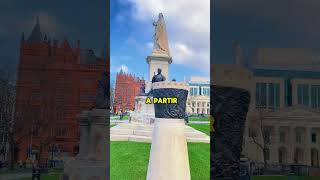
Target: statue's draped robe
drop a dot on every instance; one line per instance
(161, 45)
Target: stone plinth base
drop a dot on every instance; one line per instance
(144, 113)
(169, 152)
(91, 161)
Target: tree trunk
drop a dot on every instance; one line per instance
(265, 158)
(11, 154)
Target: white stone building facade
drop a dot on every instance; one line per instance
(198, 102)
(284, 85)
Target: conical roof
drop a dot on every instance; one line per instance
(36, 35)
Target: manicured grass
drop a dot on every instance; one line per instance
(125, 117)
(284, 178)
(199, 159)
(205, 128)
(112, 125)
(196, 118)
(129, 160)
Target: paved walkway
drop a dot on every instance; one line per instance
(119, 121)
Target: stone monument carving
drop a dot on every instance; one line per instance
(160, 56)
(229, 109)
(143, 90)
(160, 40)
(158, 77)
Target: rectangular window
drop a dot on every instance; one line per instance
(282, 137)
(195, 91)
(61, 131)
(277, 95)
(271, 91)
(303, 94)
(315, 96)
(261, 94)
(313, 137)
(267, 136)
(267, 154)
(299, 137)
(273, 95)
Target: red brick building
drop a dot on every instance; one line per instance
(55, 83)
(126, 89)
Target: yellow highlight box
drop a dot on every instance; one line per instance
(167, 100)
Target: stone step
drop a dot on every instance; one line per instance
(120, 131)
(142, 133)
(140, 138)
(144, 127)
(135, 126)
(195, 135)
(199, 140)
(136, 138)
(117, 137)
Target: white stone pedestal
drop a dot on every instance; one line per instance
(143, 113)
(169, 152)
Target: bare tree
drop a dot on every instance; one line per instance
(265, 134)
(7, 108)
(112, 95)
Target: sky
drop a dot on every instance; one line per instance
(263, 23)
(188, 29)
(81, 20)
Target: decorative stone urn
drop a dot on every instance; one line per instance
(169, 151)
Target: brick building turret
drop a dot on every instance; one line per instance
(126, 89)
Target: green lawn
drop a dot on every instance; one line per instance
(284, 178)
(112, 125)
(129, 160)
(205, 128)
(126, 117)
(196, 118)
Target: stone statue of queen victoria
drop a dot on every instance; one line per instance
(160, 40)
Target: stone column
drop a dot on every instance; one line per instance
(274, 155)
(98, 135)
(291, 145)
(308, 146)
(169, 151)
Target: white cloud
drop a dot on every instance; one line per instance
(149, 46)
(188, 26)
(124, 68)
